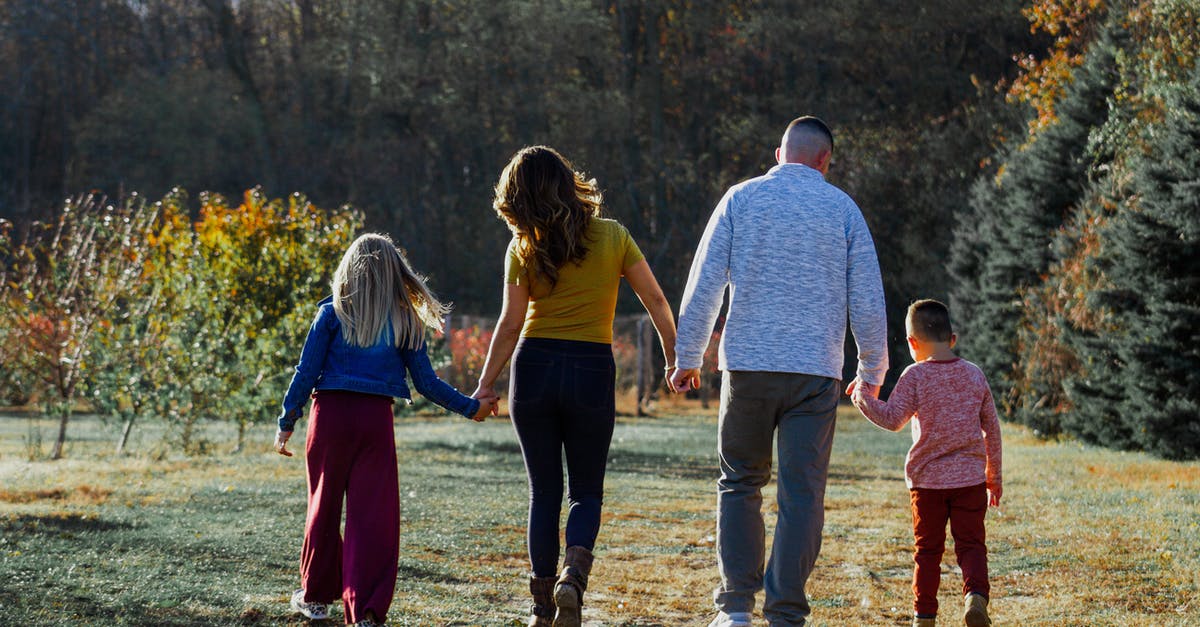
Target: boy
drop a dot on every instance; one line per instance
(953, 467)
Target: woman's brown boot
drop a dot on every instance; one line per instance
(541, 612)
(568, 593)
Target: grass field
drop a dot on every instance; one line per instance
(1085, 537)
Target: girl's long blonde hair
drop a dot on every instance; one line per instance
(375, 291)
(548, 206)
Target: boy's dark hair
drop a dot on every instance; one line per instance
(930, 320)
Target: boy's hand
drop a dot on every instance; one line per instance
(858, 385)
(856, 396)
(281, 439)
(994, 490)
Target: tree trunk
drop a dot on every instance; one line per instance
(241, 437)
(64, 412)
(125, 431)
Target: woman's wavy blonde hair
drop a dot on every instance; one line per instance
(548, 206)
(377, 296)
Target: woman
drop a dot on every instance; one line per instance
(563, 268)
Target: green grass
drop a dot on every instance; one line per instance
(1085, 536)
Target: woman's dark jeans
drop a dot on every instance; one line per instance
(561, 398)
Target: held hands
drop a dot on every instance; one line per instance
(859, 389)
(682, 380)
(281, 439)
(489, 402)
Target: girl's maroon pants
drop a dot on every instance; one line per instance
(964, 509)
(351, 454)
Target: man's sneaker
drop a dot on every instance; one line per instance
(315, 611)
(736, 619)
(975, 610)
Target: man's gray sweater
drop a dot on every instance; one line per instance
(798, 259)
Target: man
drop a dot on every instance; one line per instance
(797, 258)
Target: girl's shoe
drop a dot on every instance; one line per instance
(921, 621)
(975, 610)
(315, 611)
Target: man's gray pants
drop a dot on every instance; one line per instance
(754, 406)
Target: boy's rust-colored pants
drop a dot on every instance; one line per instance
(964, 508)
(351, 454)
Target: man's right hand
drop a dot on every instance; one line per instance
(866, 388)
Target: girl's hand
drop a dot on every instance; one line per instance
(486, 407)
(489, 402)
(281, 439)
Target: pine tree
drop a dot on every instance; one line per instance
(1005, 248)
(1152, 262)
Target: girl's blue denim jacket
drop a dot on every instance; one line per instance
(327, 362)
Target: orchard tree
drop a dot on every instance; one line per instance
(69, 277)
(260, 269)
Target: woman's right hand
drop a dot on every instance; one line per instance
(489, 402)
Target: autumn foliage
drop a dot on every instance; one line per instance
(155, 314)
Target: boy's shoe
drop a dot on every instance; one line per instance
(735, 619)
(921, 621)
(975, 610)
(315, 611)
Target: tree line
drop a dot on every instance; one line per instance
(1077, 268)
(993, 161)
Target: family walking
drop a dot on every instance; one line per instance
(797, 260)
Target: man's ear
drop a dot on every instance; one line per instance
(778, 155)
(823, 160)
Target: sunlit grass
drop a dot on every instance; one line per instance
(1085, 537)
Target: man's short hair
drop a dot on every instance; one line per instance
(929, 321)
(811, 123)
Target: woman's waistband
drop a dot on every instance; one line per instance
(569, 347)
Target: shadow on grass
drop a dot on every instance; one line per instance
(467, 448)
(836, 476)
(663, 465)
(418, 572)
(62, 522)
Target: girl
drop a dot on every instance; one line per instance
(563, 268)
(363, 340)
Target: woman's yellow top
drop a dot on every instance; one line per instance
(582, 304)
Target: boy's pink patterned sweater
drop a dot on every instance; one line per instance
(955, 431)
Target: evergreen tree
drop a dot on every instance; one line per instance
(1152, 262)
(1013, 219)
(1087, 384)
